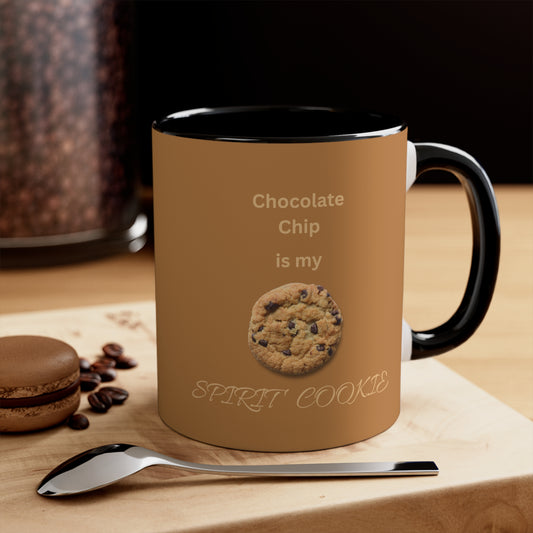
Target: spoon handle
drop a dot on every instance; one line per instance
(405, 468)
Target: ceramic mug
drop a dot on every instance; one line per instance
(279, 252)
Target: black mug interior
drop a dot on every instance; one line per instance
(278, 124)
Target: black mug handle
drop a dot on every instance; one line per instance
(485, 249)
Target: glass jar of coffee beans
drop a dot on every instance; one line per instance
(68, 168)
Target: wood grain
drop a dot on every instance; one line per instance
(498, 358)
(482, 447)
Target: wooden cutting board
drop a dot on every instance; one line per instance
(484, 450)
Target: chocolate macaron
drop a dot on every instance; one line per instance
(39, 382)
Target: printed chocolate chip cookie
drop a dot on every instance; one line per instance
(295, 329)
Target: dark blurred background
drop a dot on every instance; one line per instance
(81, 82)
(459, 72)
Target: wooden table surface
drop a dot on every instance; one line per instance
(498, 358)
(481, 442)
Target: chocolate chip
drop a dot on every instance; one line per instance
(271, 307)
(314, 328)
(261, 328)
(320, 288)
(320, 347)
(291, 325)
(263, 343)
(117, 394)
(330, 351)
(338, 321)
(286, 352)
(113, 349)
(335, 312)
(96, 403)
(78, 421)
(126, 362)
(89, 381)
(253, 338)
(303, 293)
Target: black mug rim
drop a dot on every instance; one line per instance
(371, 125)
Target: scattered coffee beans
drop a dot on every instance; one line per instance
(78, 421)
(97, 404)
(105, 398)
(108, 374)
(85, 365)
(102, 370)
(89, 381)
(118, 395)
(105, 372)
(113, 349)
(125, 362)
(99, 366)
(107, 361)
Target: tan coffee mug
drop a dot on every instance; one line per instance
(279, 243)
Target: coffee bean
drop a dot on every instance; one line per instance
(124, 362)
(89, 381)
(113, 349)
(96, 403)
(78, 421)
(107, 374)
(97, 365)
(85, 365)
(105, 398)
(117, 394)
(107, 361)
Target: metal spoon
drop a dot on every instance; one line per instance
(104, 465)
